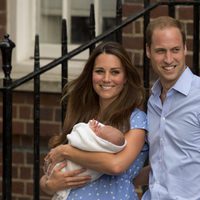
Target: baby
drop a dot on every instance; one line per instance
(106, 132)
(92, 136)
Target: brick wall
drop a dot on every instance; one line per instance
(22, 167)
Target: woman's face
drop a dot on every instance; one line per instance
(108, 78)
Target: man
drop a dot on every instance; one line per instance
(173, 116)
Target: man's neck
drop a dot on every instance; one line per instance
(164, 93)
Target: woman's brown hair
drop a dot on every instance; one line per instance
(83, 102)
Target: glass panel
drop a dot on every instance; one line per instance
(108, 22)
(49, 21)
(80, 13)
(81, 7)
(108, 8)
(108, 16)
(80, 30)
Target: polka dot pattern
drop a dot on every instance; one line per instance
(119, 187)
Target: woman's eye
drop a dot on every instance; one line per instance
(115, 72)
(98, 71)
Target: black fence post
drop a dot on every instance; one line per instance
(171, 9)
(64, 70)
(196, 67)
(119, 20)
(146, 70)
(92, 26)
(36, 116)
(6, 48)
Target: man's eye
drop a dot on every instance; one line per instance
(160, 51)
(176, 50)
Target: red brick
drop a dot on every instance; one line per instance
(185, 12)
(189, 28)
(46, 113)
(58, 115)
(18, 187)
(159, 11)
(26, 173)
(133, 42)
(25, 112)
(29, 158)
(131, 9)
(138, 27)
(50, 100)
(29, 188)
(15, 172)
(23, 98)
(18, 158)
(50, 129)
(18, 127)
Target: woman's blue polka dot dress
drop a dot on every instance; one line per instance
(119, 187)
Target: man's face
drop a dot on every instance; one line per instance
(167, 54)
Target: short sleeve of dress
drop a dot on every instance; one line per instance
(138, 119)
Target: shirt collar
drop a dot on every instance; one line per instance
(182, 85)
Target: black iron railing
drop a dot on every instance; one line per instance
(8, 85)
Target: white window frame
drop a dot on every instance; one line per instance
(21, 15)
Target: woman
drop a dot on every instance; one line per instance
(109, 90)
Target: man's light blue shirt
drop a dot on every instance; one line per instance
(174, 140)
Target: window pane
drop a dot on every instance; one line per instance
(108, 8)
(108, 16)
(108, 22)
(81, 7)
(80, 13)
(49, 18)
(51, 12)
(80, 30)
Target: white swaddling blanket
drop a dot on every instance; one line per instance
(82, 137)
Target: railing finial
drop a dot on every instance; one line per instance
(6, 49)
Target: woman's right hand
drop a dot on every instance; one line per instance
(59, 180)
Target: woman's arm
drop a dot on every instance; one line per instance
(103, 162)
(59, 180)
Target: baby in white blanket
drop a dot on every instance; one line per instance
(91, 136)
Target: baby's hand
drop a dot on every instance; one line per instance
(94, 125)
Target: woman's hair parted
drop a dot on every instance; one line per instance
(83, 102)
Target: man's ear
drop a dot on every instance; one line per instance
(185, 50)
(147, 51)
